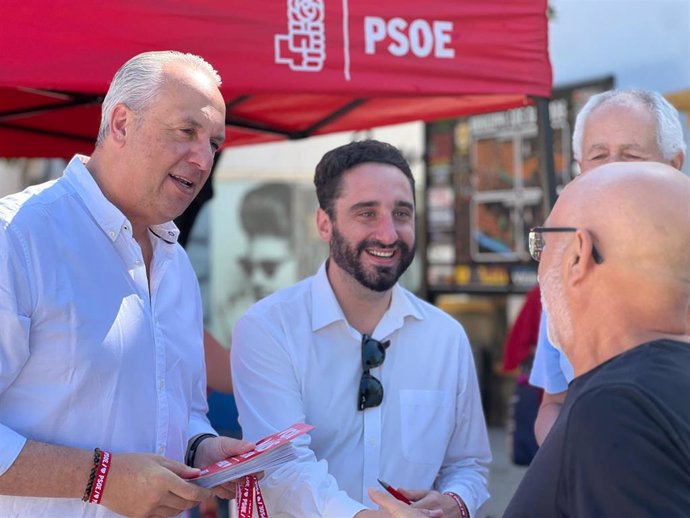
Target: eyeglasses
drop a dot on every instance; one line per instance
(536, 242)
(370, 389)
(268, 267)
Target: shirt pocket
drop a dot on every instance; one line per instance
(426, 418)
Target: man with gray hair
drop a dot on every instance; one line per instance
(102, 381)
(613, 126)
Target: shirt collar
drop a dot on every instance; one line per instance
(111, 220)
(326, 310)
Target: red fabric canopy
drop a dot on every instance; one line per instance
(290, 68)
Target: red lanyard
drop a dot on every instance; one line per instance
(248, 490)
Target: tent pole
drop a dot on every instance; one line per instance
(545, 148)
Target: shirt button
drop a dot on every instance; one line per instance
(371, 442)
(137, 262)
(161, 384)
(161, 450)
(112, 234)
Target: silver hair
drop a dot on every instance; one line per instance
(137, 82)
(669, 132)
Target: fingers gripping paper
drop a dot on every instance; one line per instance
(270, 451)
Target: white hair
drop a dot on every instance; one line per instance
(137, 82)
(669, 132)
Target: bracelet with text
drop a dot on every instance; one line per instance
(248, 490)
(464, 513)
(100, 478)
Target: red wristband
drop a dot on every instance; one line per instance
(464, 513)
(100, 478)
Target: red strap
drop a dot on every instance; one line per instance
(247, 491)
(464, 513)
(260, 506)
(99, 480)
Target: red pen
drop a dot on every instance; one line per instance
(397, 494)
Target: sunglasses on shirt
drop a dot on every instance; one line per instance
(370, 388)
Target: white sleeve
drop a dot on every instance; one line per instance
(268, 396)
(551, 369)
(15, 324)
(465, 466)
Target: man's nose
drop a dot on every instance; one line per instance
(202, 155)
(386, 230)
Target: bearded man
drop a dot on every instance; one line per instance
(387, 379)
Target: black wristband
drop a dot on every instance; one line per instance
(191, 451)
(96, 460)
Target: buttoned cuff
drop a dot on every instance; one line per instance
(12, 444)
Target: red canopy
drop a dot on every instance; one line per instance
(291, 68)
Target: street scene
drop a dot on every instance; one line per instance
(445, 242)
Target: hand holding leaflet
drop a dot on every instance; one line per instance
(270, 451)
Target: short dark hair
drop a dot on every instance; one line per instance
(336, 162)
(266, 210)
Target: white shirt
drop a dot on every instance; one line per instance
(295, 358)
(88, 358)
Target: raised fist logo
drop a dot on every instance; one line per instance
(303, 48)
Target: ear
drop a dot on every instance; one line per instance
(324, 226)
(677, 161)
(119, 123)
(580, 260)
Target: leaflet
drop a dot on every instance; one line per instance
(271, 451)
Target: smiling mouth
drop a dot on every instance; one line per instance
(182, 181)
(381, 254)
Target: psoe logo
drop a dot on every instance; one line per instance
(303, 48)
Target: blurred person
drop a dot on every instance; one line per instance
(615, 277)
(387, 379)
(521, 341)
(100, 313)
(518, 355)
(613, 126)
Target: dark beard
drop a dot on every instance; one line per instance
(384, 277)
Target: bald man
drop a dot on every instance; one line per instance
(614, 126)
(615, 278)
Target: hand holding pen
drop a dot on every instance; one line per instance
(397, 494)
(397, 509)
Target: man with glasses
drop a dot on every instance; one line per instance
(615, 278)
(614, 126)
(387, 380)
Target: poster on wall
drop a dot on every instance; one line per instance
(484, 193)
(263, 238)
